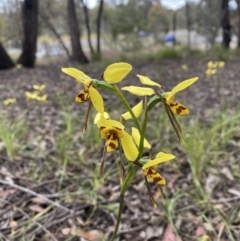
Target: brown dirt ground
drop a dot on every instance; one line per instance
(78, 215)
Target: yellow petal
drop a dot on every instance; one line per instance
(42, 98)
(210, 64)
(83, 96)
(146, 81)
(111, 145)
(136, 137)
(154, 176)
(39, 87)
(210, 72)
(96, 99)
(139, 91)
(98, 116)
(137, 110)
(78, 75)
(183, 85)
(109, 123)
(129, 147)
(178, 109)
(221, 64)
(10, 101)
(184, 67)
(160, 158)
(114, 73)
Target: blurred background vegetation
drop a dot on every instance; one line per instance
(50, 28)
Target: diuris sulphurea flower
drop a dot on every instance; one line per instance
(114, 133)
(169, 97)
(149, 169)
(89, 92)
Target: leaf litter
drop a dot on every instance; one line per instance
(54, 162)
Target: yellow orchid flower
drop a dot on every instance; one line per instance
(221, 64)
(42, 98)
(210, 72)
(35, 96)
(184, 67)
(177, 108)
(98, 116)
(113, 132)
(142, 91)
(149, 169)
(32, 96)
(137, 110)
(116, 72)
(139, 91)
(89, 92)
(9, 101)
(136, 137)
(39, 87)
(146, 81)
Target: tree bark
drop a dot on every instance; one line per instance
(188, 25)
(225, 23)
(99, 20)
(86, 15)
(5, 60)
(30, 29)
(77, 51)
(238, 10)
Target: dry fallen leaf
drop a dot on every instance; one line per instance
(66, 231)
(89, 235)
(5, 193)
(36, 208)
(169, 234)
(39, 200)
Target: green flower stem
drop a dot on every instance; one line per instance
(104, 85)
(118, 217)
(153, 101)
(124, 101)
(132, 169)
(144, 127)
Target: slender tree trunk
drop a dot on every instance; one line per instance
(188, 25)
(174, 25)
(5, 60)
(99, 18)
(86, 15)
(53, 29)
(225, 23)
(77, 51)
(30, 29)
(238, 10)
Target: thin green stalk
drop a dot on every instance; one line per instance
(124, 101)
(144, 127)
(118, 217)
(132, 169)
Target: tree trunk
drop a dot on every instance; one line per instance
(238, 10)
(5, 60)
(30, 28)
(99, 18)
(188, 25)
(77, 51)
(86, 15)
(225, 23)
(53, 29)
(174, 25)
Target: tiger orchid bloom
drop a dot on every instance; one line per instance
(114, 133)
(149, 169)
(169, 97)
(89, 92)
